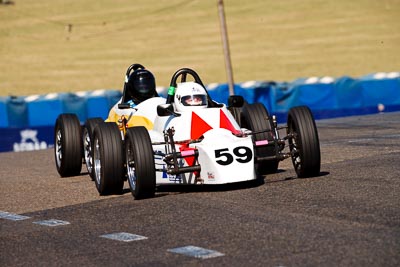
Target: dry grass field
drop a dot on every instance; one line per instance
(66, 46)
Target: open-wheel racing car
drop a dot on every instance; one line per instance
(186, 138)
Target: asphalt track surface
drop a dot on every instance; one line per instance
(347, 216)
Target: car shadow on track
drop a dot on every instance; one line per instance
(291, 177)
(163, 190)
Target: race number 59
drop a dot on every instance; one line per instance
(241, 154)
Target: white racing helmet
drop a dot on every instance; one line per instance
(190, 96)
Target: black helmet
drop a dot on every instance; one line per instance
(141, 85)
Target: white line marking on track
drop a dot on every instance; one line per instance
(52, 222)
(196, 252)
(12, 216)
(124, 237)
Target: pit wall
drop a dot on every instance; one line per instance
(27, 123)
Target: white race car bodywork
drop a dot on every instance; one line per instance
(225, 156)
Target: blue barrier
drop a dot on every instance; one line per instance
(3, 113)
(43, 109)
(27, 122)
(16, 112)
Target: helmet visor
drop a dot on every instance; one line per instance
(194, 100)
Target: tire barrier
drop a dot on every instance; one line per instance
(27, 123)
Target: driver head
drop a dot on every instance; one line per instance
(141, 85)
(190, 96)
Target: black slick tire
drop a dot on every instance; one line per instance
(304, 145)
(255, 117)
(108, 160)
(236, 113)
(140, 163)
(87, 140)
(68, 145)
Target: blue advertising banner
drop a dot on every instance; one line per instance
(26, 139)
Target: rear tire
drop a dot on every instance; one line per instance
(304, 145)
(68, 145)
(108, 160)
(140, 162)
(88, 131)
(255, 117)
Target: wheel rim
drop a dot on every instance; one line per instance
(87, 146)
(59, 147)
(294, 148)
(130, 165)
(96, 160)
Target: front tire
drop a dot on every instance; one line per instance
(255, 117)
(304, 146)
(108, 161)
(236, 113)
(140, 162)
(68, 145)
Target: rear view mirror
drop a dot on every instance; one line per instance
(235, 101)
(166, 110)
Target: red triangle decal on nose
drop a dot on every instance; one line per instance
(198, 127)
(225, 123)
